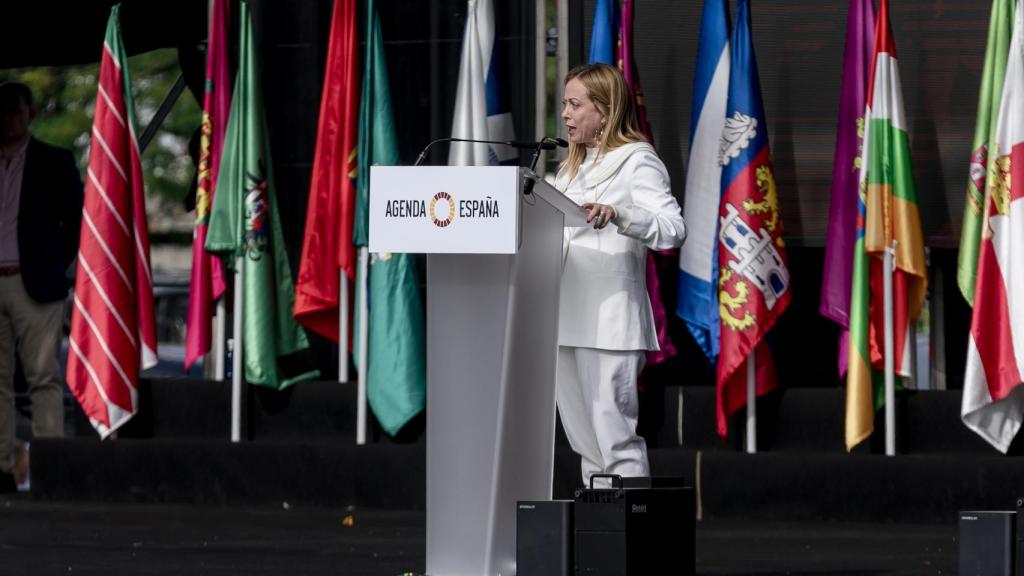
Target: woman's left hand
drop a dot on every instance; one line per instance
(599, 214)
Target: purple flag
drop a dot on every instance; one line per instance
(842, 216)
(664, 260)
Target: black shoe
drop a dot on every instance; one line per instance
(7, 483)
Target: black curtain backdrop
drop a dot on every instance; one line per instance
(422, 43)
(799, 45)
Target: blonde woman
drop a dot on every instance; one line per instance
(605, 323)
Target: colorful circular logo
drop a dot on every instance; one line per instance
(446, 198)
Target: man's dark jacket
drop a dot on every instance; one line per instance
(49, 219)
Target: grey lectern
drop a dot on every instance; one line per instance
(492, 343)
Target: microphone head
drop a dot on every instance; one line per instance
(548, 143)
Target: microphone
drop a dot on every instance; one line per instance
(544, 144)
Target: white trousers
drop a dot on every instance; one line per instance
(597, 402)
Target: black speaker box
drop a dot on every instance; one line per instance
(635, 531)
(987, 542)
(544, 538)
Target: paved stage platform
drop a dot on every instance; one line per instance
(51, 538)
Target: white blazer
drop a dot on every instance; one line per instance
(604, 302)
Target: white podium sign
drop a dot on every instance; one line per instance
(444, 209)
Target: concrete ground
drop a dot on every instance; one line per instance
(47, 538)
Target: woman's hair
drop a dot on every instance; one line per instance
(607, 89)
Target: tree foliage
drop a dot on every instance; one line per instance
(65, 100)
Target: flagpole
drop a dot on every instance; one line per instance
(219, 336)
(890, 370)
(236, 356)
(343, 327)
(752, 403)
(364, 331)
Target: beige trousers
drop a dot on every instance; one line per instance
(597, 401)
(33, 330)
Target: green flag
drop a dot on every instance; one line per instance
(396, 350)
(996, 53)
(244, 224)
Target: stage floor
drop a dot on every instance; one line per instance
(47, 538)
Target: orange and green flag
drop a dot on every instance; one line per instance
(887, 215)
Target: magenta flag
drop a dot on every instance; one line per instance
(664, 260)
(842, 216)
(207, 281)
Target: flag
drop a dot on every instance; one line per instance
(887, 212)
(481, 111)
(604, 35)
(396, 375)
(327, 243)
(207, 280)
(996, 53)
(697, 304)
(113, 327)
(244, 223)
(627, 64)
(666, 349)
(753, 276)
(993, 404)
(842, 216)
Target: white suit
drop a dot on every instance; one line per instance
(605, 319)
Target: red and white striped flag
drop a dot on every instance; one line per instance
(993, 401)
(113, 329)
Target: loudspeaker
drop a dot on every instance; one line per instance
(544, 536)
(635, 531)
(986, 543)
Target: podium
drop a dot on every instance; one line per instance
(494, 261)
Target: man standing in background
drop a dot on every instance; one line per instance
(40, 217)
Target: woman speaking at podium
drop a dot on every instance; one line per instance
(605, 322)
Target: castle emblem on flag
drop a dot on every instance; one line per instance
(754, 255)
(739, 130)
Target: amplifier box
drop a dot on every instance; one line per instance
(986, 543)
(544, 538)
(623, 531)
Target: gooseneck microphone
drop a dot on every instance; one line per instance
(544, 144)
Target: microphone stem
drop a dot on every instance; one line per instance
(536, 156)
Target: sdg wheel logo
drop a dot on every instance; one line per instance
(447, 199)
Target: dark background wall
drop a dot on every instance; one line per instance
(799, 48)
(422, 42)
